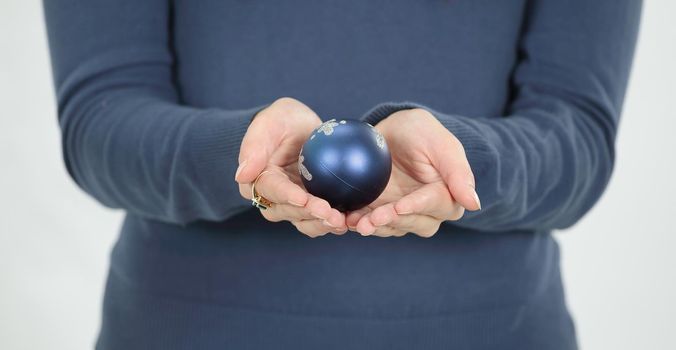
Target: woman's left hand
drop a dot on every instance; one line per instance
(431, 179)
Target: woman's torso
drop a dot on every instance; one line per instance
(245, 282)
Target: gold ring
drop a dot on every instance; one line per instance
(257, 200)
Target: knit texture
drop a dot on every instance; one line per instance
(155, 96)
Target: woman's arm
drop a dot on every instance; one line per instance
(546, 162)
(126, 139)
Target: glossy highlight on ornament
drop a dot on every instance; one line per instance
(345, 162)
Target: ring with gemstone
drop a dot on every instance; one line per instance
(257, 200)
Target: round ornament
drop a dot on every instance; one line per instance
(345, 162)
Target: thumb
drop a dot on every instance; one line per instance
(254, 153)
(251, 167)
(457, 174)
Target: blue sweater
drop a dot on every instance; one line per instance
(155, 96)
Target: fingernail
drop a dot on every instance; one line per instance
(476, 198)
(240, 168)
(327, 223)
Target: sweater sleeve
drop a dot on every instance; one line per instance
(547, 161)
(126, 139)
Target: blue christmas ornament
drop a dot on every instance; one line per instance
(345, 162)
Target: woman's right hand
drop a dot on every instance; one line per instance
(272, 144)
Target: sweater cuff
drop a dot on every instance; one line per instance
(213, 140)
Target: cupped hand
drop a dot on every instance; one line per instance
(431, 179)
(272, 144)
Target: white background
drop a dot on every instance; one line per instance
(618, 261)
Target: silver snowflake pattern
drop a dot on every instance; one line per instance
(303, 170)
(327, 126)
(380, 139)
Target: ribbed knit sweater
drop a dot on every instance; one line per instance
(154, 98)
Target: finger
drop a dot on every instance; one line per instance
(365, 227)
(286, 119)
(353, 217)
(312, 228)
(431, 199)
(245, 191)
(276, 187)
(320, 209)
(257, 146)
(388, 231)
(400, 233)
(456, 172)
(383, 215)
(386, 214)
(336, 221)
(251, 166)
(421, 225)
(316, 208)
(286, 212)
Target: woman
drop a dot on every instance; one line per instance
(172, 109)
